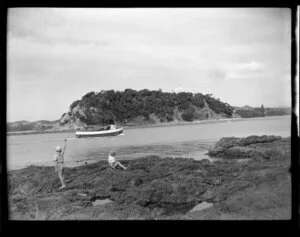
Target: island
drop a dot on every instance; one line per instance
(143, 108)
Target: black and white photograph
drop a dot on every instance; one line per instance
(149, 113)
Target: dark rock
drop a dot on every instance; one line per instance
(213, 181)
(136, 182)
(251, 147)
(156, 212)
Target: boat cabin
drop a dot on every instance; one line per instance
(98, 128)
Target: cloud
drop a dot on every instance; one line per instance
(248, 67)
(178, 89)
(197, 50)
(34, 22)
(249, 70)
(217, 74)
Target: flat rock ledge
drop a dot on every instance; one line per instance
(258, 147)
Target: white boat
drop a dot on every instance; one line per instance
(110, 130)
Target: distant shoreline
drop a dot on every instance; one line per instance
(165, 124)
(208, 121)
(37, 132)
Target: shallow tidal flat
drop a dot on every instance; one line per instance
(164, 188)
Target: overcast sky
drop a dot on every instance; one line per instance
(56, 56)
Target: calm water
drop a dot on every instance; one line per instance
(190, 141)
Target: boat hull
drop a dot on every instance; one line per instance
(108, 133)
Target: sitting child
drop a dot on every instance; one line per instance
(113, 162)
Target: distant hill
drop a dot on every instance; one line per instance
(277, 111)
(250, 112)
(131, 107)
(40, 125)
(48, 122)
(247, 107)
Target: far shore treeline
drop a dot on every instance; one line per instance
(132, 107)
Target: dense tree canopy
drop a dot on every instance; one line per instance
(122, 106)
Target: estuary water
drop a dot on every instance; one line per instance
(187, 141)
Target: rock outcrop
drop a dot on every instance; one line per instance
(250, 147)
(157, 188)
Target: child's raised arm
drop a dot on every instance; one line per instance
(64, 148)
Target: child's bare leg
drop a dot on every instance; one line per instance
(122, 166)
(61, 179)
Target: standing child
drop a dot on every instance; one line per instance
(113, 162)
(59, 165)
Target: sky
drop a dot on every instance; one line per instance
(57, 55)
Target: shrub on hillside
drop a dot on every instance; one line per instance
(188, 114)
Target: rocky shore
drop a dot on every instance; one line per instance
(164, 188)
